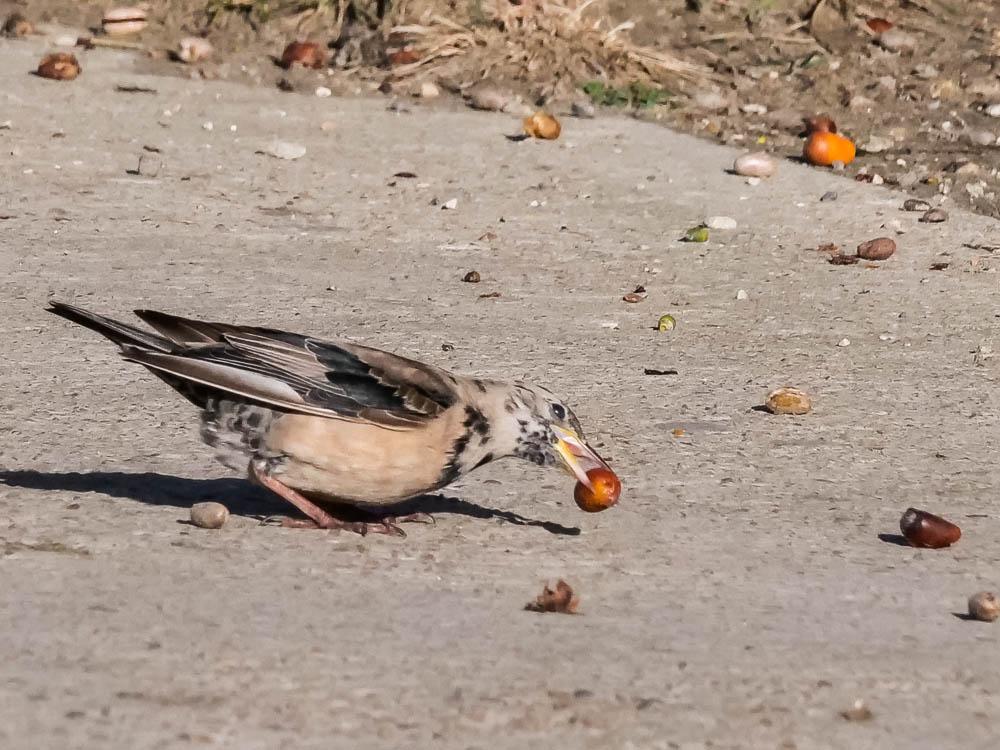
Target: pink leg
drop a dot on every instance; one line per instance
(319, 518)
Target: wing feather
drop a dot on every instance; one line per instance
(339, 380)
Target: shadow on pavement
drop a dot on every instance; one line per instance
(240, 496)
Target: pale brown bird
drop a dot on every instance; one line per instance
(334, 424)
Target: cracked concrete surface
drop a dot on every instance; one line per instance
(738, 597)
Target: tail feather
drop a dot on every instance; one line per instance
(121, 333)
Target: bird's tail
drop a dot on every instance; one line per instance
(121, 333)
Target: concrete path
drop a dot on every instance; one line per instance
(739, 596)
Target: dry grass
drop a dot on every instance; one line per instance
(551, 45)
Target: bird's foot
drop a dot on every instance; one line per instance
(388, 525)
(335, 524)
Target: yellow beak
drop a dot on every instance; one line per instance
(577, 456)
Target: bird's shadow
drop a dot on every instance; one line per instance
(239, 495)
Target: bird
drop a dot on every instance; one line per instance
(336, 426)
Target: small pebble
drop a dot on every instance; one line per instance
(895, 40)
(721, 222)
(285, 150)
(450, 204)
(993, 110)
(582, 109)
(984, 606)
(193, 49)
(829, 195)
(487, 97)
(742, 294)
(208, 126)
(753, 181)
(844, 342)
(323, 92)
(981, 137)
(877, 144)
(858, 712)
(915, 204)
(986, 87)
(209, 515)
(710, 100)
(934, 216)
(757, 164)
(429, 90)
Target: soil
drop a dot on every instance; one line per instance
(918, 115)
(748, 590)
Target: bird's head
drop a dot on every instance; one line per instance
(540, 428)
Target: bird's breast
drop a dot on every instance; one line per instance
(358, 461)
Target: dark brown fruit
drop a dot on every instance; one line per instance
(880, 248)
(819, 124)
(879, 25)
(306, 54)
(59, 66)
(923, 529)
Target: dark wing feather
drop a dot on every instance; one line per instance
(293, 372)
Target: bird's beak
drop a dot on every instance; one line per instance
(577, 457)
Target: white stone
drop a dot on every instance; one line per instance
(721, 222)
(981, 137)
(876, 144)
(895, 40)
(286, 150)
(757, 164)
(710, 100)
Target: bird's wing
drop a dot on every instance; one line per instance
(284, 370)
(419, 388)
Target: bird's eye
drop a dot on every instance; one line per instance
(559, 411)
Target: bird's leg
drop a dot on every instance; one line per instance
(318, 518)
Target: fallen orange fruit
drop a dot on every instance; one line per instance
(542, 125)
(823, 148)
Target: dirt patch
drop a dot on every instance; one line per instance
(913, 82)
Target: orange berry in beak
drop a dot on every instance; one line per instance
(607, 489)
